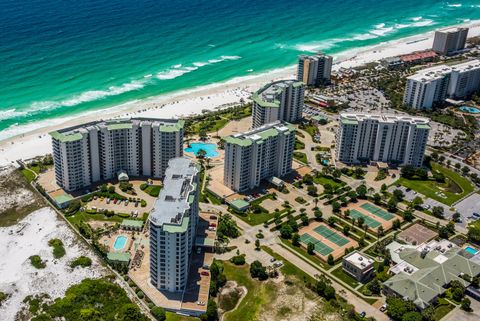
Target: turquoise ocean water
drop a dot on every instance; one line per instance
(61, 58)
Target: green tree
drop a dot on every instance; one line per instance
(346, 230)
(296, 239)
(318, 214)
(257, 270)
(438, 211)
(310, 248)
(361, 191)
(374, 286)
(397, 308)
(331, 221)
(158, 313)
(412, 316)
(330, 260)
(286, 231)
(466, 304)
(257, 244)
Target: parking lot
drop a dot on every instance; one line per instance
(467, 207)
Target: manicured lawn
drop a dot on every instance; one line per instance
(85, 217)
(299, 144)
(323, 180)
(28, 174)
(454, 188)
(153, 190)
(339, 273)
(176, 317)
(258, 293)
(442, 310)
(310, 129)
(256, 219)
(302, 157)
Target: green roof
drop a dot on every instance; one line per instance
(297, 84)
(191, 197)
(238, 141)
(174, 127)
(132, 223)
(118, 256)
(348, 121)
(204, 241)
(119, 126)
(423, 126)
(65, 138)
(167, 227)
(319, 117)
(239, 204)
(61, 199)
(269, 133)
(262, 103)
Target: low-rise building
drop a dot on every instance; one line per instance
(358, 266)
(423, 273)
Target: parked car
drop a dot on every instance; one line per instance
(205, 273)
(362, 314)
(383, 308)
(272, 259)
(206, 267)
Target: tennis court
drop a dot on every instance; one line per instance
(368, 220)
(377, 211)
(331, 235)
(321, 248)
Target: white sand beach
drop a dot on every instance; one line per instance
(33, 140)
(30, 237)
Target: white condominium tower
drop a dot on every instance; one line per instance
(258, 154)
(399, 140)
(280, 100)
(173, 224)
(314, 70)
(100, 150)
(435, 84)
(450, 40)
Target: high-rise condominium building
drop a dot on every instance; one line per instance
(280, 100)
(100, 150)
(450, 40)
(173, 224)
(393, 139)
(435, 84)
(314, 70)
(258, 154)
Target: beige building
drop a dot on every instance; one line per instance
(449, 41)
(97, 151)
(314, 70)
(358, 266)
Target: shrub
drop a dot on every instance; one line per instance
(257, 270)
(140, 294)
(37, 262)
(58, 249)
(238, 259)
(82, 261)
(143, 186)
(158, 313)
(143, 203)
(330, 260)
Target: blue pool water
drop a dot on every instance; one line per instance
(210, 149)
(471, 250)
(120, 242)
(471, 110)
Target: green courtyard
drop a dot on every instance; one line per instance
(453, 189)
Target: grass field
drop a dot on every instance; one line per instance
(85, 217)
(339, 273)
(28, 174)
(323, 180)
(260, 218)
(176, 317)
(153, 190)
(302, 157)
(258, 293)
(454, 188)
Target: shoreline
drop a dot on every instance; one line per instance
(35, 141)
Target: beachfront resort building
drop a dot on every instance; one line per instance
(358, 266)
(173, 223)
(450, 40)
(257, 155)
(433, 85)
(399, 140)
(280, 100)
(421, 274)
(100, 150)
(314, 70)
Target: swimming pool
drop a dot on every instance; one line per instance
(209, 148)
(471, 110)
(471, 250)
(120, 242)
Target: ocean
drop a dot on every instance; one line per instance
(63, 58)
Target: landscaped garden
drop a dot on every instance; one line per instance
(453, 187)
